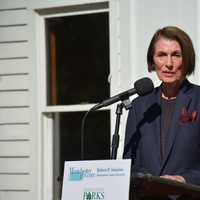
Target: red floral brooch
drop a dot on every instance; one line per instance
(187, 117)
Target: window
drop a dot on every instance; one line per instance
(78, 57)
(74, 77)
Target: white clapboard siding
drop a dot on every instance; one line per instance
(14, 182)
(14, 148)
(14, 98)
(13, 17)
(10, 50)
(13, 33)
(14, 195)
(14, 82)
(10, 4)
(14, 115)
(13, 66)
(14, 165)
(14, 132)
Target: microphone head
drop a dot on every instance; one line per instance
(143, 86)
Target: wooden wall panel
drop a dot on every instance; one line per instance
(15, 129)
(13, 17)
(15, 132)
(13, 33)
(14, 165)
(14, 98)
(14, 82)
(15, 195)
(14, 182)
(14, 66)
(13, 50)
(14, 149)
(14, 115)
(12, 4)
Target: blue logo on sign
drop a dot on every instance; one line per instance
(79, 174)
(75, 175)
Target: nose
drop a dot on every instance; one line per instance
(169, 62)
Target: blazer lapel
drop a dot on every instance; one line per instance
(182, 100)
(155, 125)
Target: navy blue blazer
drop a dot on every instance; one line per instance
(142, 139)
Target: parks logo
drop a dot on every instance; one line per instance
(93, 194)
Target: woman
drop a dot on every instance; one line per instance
(163, 127)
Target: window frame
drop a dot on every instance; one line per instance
(46, 112)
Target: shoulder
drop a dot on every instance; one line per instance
(146, 107)
(148, 97)
(191, 88)
(194, 93)
(147, 103)
(196, 87)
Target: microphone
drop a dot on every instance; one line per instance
(142, 87)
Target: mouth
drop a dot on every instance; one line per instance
(168, 73)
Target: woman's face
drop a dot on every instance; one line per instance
(168, 61)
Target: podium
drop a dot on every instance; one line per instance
(146, 185)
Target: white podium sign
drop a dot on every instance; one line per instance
(92, 180)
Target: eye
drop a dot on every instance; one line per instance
(161, 54)
(177, 54)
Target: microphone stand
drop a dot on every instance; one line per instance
(115, 139)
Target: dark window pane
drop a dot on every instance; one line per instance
(78, 59)
(96, 137)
